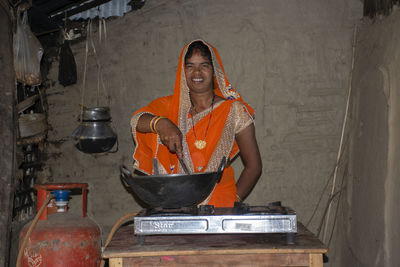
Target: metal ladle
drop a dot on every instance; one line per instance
(184, 166)
(183, 163)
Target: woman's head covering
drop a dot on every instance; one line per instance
(222, 87)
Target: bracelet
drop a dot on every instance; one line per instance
(152, 124)
(238, 198)
(156, 121)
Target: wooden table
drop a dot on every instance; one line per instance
(215, 250)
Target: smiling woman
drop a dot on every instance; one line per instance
(204, 120)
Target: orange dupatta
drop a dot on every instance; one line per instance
(220, 135)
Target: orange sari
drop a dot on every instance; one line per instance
(228, 118)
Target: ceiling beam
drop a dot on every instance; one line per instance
(62, 8)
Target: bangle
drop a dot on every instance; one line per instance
(238, 198)
(156, 121)
(152, 124)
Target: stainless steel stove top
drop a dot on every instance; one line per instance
(242, 218)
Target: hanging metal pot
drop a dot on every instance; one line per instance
(94, 133)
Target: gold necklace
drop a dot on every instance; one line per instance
(201, 144)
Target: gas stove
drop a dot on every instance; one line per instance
(207, 219)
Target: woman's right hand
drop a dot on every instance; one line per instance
(170, 135)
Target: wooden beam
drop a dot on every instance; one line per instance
(7, 134)
(76, 3)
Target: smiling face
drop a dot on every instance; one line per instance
(199, 73)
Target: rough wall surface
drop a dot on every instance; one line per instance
(6, 133)
(289, 59)
(370, 234)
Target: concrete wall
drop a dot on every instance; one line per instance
(289, 59)
(6, 133)
(369, 231)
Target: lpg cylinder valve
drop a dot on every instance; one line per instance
(61, 199)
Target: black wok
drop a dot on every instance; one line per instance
(173, 190)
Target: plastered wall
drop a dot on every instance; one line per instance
(368, 230)
(289, 59)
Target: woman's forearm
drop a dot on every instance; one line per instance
(247, 180)
(143, 124)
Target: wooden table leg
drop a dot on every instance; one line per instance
(316, 260)
(115, 262)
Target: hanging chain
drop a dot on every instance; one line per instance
(100, 80)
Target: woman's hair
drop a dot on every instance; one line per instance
(200, 46)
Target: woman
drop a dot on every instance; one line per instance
(203, 121)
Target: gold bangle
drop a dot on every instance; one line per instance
(156, 121)
(151, 124)
(238, 198)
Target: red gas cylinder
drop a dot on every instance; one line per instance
(60, 238)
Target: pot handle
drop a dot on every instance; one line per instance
(125, 173)
(221, 168)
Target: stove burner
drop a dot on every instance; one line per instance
(161, 212)
(239, 208)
